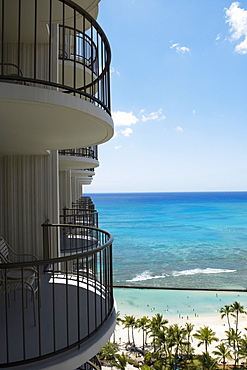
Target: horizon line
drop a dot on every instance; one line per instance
(168, 191)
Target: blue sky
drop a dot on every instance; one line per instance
(179, 90)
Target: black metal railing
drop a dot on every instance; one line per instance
(88, 170)
(89, 152)
(86, 49)
(80, 216)
(55, 44)
(92, 364)
(84, 202)
(73, 300)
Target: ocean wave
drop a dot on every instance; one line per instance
(201, 271)
(145, 275)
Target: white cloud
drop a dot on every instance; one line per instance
(218, 37)
(124, 118)
(158, 116)
(180, 49)
(194, 111)
(127, 132)
(129, 118)
(117, 147)
(113, 70)
(179, 129)
(237, 19)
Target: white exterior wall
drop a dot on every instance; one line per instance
(29, 196)
(65, 190)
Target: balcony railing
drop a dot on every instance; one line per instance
(80, 216)
(90, 152)
(55, 44)
(93, 364)
(84, 203)
(86, 48)
(73, 300)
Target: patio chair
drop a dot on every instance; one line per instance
(13, 279)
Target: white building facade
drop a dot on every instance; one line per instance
(57, 308)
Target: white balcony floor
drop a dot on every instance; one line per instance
(61, 319)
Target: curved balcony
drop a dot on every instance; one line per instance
(91, 6)
(55, 66)
(83, 177)
(78, 159)
(92, 364)
(80, 216)
(72, 315)
(84, 202)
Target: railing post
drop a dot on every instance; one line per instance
(54, 52)
(46, 246)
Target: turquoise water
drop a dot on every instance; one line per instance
(191, 240)
(170, 303)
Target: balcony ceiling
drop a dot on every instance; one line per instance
(91, 6)
(35, 120)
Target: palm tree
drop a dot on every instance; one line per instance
(108, 352)
(177, 337)
(243, 347)
(188, 330)
(159, 321)
(142, 324)
(154, 360)
(222, 353)
(233, 340)
(156, 325)
(120, 361)
(236, 309)
(127, 325)
(130, 322)
(208, 363)
(118, 322)
(205, 336)
(164, 341)
(226, 311)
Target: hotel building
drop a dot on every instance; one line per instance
(56, 303)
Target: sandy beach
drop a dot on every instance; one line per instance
(218, 325)
(180, 313)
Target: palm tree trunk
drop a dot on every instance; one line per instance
(228, 320)
(133, 340)
(224, 362)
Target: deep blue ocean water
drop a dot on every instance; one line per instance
(191, 240)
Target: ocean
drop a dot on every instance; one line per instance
(177, 240)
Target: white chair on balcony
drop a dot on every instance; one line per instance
(13, 279)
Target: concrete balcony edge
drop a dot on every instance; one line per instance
(81, 173)
(34, 120)
(68, 162)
